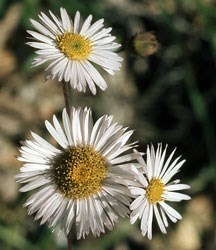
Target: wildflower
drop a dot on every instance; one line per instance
(72, 49)
(84, 181)
(154, 189)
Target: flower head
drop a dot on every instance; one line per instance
(154, 189)
(72, 48)
(84, 180)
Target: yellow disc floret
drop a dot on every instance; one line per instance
(79, 172)
(154, 191)
(74, 46)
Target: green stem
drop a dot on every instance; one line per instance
(67, 91)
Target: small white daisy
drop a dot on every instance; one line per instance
(72, 48)
(84, 181)
(154, 188)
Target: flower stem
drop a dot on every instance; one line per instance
(69, 242)
(67, 91)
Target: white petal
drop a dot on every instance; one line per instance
(93, 28)
(59, 213)
(86, 25)
(49, 23)
(40, 45)
(76, 126)
(125, 158)
(137, 202)
(150, 218)
(166, 165)
(170, 211)
(55, 135)
(159, 220)
(144, 220)
(76, 22)
(101, 34)
(37, 182)
(65, 20)
(159, 160)
(59, 130)
(149, 164)
(70, 216)
(67, 127)
(42, 29)
(176, 187)
(172, 170)
(174, 196)
(57, 22)
(38, 199)
(96, 76)
(99, 128)
(40, 37)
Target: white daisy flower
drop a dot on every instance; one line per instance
(73, 48)
(154, 189)
(84, 181)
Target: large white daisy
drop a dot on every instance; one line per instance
(84, 180)
(154, 189)
(73, 48)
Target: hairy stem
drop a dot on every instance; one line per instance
(69, 242)
(67, 91)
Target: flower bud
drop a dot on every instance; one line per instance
(145, 44)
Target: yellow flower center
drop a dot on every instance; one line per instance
(74, 46)
(79, 172)
(154, 191)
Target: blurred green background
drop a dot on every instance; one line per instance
(168, 97)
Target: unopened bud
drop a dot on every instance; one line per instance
(145, 44)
